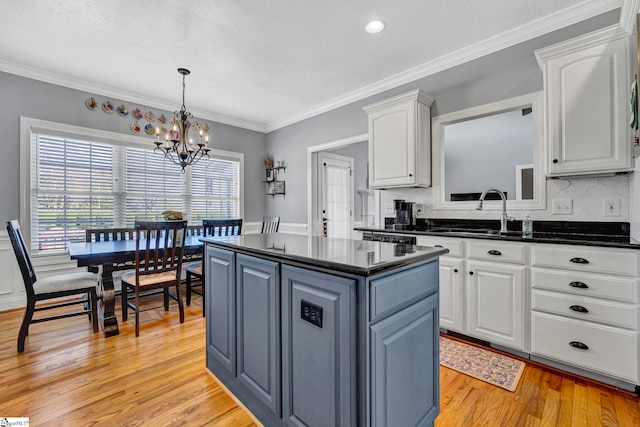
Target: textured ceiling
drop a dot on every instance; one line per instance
(260, 64)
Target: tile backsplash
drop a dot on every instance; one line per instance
(588, 196)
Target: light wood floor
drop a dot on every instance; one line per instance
(69, 376)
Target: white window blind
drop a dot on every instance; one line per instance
(215, 190)
(152, 186)
(73, 191)
(79, 184)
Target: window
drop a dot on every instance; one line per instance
(96, 179)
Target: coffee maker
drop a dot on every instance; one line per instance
(405, 214)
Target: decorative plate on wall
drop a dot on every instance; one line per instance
(149, 116)
(135, 126)
(149, 129)
(162, 119)
(108, 107)
(137, 114)
(122, 110)
(91, 104)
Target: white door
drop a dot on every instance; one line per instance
(495, 301)
(336, 195)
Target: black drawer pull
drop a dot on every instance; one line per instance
(578, 285)
(494, 252)
(578, 308)
(471, 273)
(455, 270)
(555, 160)
(579, 345)
(437, 246)
(579, 261)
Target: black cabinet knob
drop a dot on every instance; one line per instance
(494, 252)
(410, 174)
(471, 273)
(578, 308)
(579, 260)
(579, 345)
(455, 270)
(555, 160)
(579, 285)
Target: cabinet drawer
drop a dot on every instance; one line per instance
(611, 351)
(391, 292)
(585, 308)
(586, 260)
(585, 284)
(455, 246)
(497, 251)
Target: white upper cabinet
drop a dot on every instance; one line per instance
(400, 141)
(587, 90)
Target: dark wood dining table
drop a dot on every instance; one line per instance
(116, 255)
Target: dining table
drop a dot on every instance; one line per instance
(114, 255)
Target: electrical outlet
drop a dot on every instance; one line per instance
(562, 206)
(611, 207)
(420, 210)
(388, 209)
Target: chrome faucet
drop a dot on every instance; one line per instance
(504, 217)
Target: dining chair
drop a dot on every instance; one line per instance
(211, 227)
(158, 265)
(270, 224)
(81, 284)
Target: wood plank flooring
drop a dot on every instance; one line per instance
(69, 376)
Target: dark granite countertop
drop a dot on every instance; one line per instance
(362, 258)
(603, 234)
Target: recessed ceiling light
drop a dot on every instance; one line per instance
(375, 26)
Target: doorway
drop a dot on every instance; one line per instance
(314, 198)
(336, 194)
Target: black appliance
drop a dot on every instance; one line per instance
(405, 214)
(389, 238)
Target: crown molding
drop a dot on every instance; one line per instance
(586, 9)
(569, 16)
(65, 81)
(594, 38)
(628, 13)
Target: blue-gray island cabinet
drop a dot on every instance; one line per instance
(311, 331)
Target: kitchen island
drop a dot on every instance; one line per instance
(324, 332)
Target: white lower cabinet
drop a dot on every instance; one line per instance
(603, 349)
(452, 273)
(572, 304)
(584, 308)
(452, 294)
(496, 303)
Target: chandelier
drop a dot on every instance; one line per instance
(178, 147)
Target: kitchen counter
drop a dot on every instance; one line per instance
(613, 235)
(363, 258)
(318, 331)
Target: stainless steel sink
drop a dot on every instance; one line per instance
(474, 231)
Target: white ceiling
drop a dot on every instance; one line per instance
(262, 64)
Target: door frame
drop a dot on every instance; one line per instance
(312, 176)
(329, 156)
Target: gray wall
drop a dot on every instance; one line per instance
(505, 74)
(36, 99)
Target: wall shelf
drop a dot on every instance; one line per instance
(274, 185)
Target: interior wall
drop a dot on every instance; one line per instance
(32, 98)
(510, 72)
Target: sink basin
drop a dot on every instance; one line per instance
(475, 231)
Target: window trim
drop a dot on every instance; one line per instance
(30, 126)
